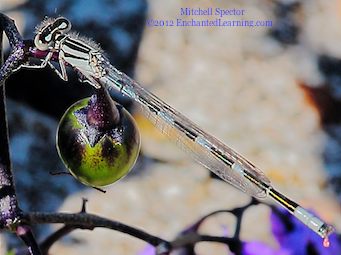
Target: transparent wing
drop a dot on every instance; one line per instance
(201, 146)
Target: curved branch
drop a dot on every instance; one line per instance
(89, 221)
(11, 216)
(54, 237)
(19, 48)
(190, 239)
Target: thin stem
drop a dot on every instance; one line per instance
(19, 48)
(26, 235)
(90, 221)
(10, 213)
(190, 239)
(239, 212)
(54, 237)
(11, 216)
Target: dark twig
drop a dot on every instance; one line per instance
(19, 48)
(10, 212)
(25, 233)
(83, 220)
(11, 216)
(54, 237)
(239, 212)
(190, 236)
(193, 238)
(90, 221)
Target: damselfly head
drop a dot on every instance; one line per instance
(49, 30)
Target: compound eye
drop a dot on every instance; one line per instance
(62, 25)
(41, 43)
(47, 35)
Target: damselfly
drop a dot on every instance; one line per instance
(87, 58)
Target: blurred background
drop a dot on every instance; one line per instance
(271, 93)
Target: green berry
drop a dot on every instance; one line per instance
(98, 140)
